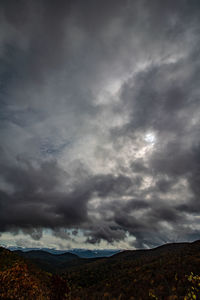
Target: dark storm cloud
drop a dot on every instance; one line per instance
(36, 202)
(160, 96)
(164, 185)
(138, 166)
(168, 104)
(32, 197)
(105, 232)
(41, 25)
(39, 37)
(125, 219)
(92, 84)
(108, 184)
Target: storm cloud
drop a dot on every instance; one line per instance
(100, 121)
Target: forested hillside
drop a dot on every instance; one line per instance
(167, 272)
(21, 279)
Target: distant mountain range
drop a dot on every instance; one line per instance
(83, 253)
(170, 272)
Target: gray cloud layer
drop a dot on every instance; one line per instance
(100, 118)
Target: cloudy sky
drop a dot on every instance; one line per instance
(99, 123)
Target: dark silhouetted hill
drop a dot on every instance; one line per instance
(171, 271)
(20, 279)
(159, 273)
(55, 263)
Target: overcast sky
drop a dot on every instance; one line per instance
(99, 123)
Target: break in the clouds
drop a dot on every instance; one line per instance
(99, 122)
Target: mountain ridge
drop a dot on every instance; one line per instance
(170, 271)
(81, 252)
